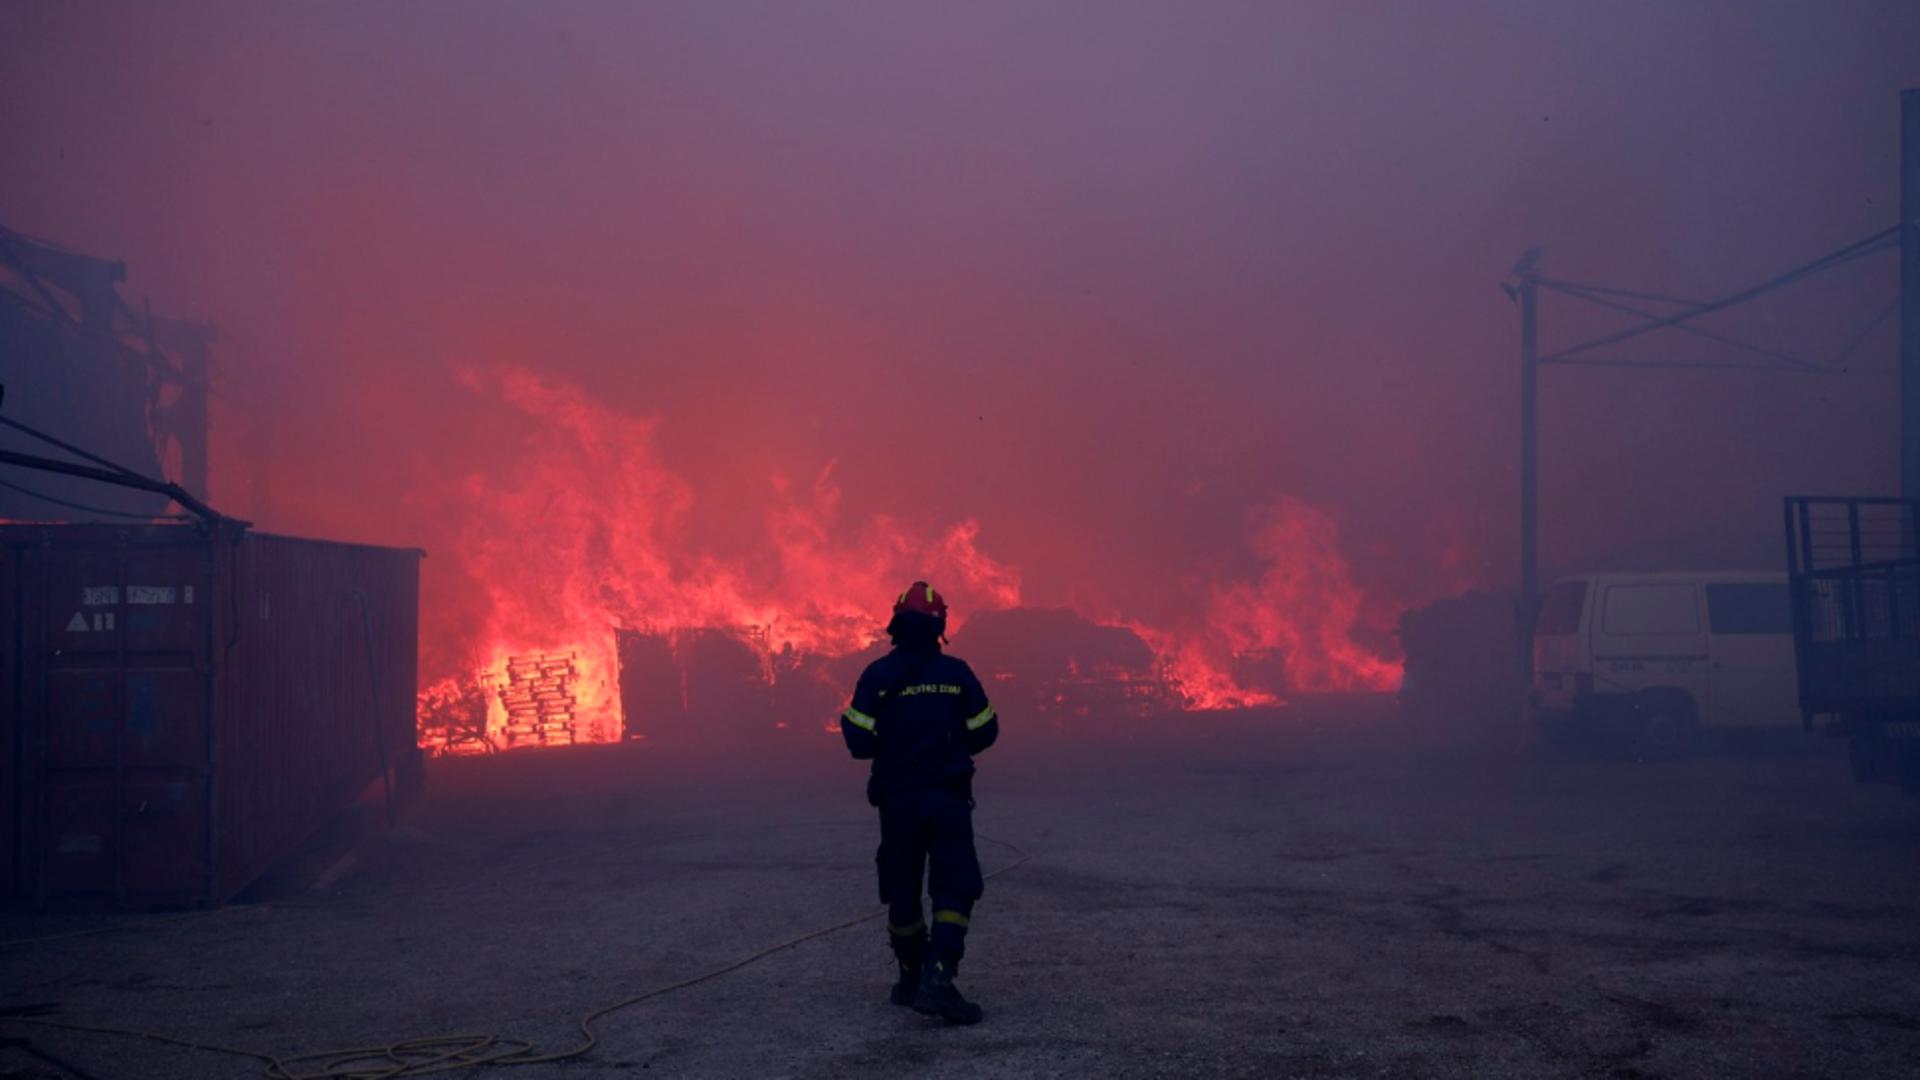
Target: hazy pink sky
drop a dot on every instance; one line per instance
(1107, 278)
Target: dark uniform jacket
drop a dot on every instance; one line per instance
(921, 716)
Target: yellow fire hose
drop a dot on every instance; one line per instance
(444, 1053)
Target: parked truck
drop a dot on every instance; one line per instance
(1854, 576)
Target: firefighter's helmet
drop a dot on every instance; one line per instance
(922, 600)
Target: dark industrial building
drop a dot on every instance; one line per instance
(181, 702)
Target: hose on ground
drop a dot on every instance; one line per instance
(431, 1054)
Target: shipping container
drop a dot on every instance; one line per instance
(182, 705)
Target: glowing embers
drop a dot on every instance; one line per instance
(538, 696)
(453, 717)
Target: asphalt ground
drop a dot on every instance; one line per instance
(1312, 891)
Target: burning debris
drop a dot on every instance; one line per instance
(453, 717)
(747, 643)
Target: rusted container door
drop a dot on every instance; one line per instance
(123, 699)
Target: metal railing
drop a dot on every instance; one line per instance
(1854, 567)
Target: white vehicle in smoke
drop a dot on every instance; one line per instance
(1654, 658)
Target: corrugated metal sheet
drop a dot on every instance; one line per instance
(182, 708)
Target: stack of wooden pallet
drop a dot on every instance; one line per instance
(538, 696)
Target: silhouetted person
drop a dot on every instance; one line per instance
(920, 716)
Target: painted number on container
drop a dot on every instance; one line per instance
(101, 622)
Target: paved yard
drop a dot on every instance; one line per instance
(1305, 893)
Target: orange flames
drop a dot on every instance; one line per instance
(1305, 606)
(588, 533)
(1294, 628)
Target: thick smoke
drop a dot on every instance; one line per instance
(1182, 320)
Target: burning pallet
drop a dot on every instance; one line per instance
(538, 697)
(453, 717)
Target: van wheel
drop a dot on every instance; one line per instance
(1668, 728)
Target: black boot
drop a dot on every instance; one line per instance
(937, 996)
(909, 984)
(910, 952)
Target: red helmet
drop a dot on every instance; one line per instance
(921, 599)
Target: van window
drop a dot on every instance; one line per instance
(1560, 611)
(1651, 609)
(1758, 608)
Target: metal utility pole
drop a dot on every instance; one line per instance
(1910, 293)
(1529, 444)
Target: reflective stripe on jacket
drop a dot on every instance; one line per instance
(920, 716)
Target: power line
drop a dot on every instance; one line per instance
(1578, 293)
(114, 474)
(67, 446)
(1631, 294)
(1885, 238)
(104, 512)
(1867, 332)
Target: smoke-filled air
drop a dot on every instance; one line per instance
(1321, 538)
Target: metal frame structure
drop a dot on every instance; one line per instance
(1854, 569)
(76, 299)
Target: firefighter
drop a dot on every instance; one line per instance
(920, 716)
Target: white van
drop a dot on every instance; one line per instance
(1657, 657)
